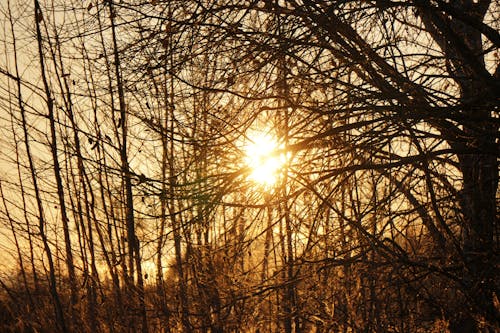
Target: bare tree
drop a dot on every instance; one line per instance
(383, 215)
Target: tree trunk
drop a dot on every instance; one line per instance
(133, 241)
(463, 47)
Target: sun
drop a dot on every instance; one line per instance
(264, 159)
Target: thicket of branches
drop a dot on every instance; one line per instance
(126, 204)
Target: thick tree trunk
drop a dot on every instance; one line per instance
(478, 202)
(480, 172)
(477, 153)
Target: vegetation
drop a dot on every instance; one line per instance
(249, 166)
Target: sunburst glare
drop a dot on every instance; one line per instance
(264, 159)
